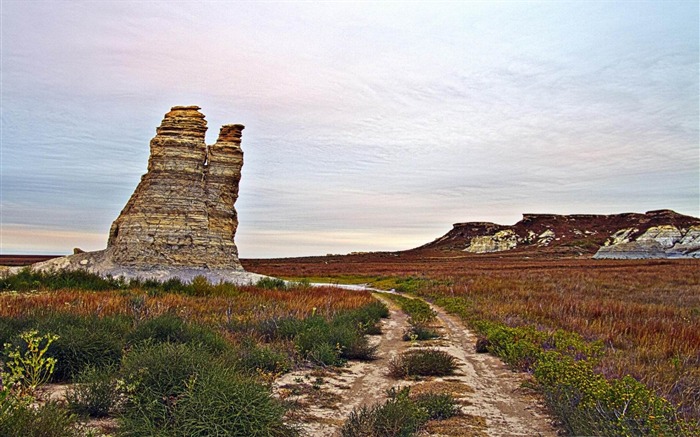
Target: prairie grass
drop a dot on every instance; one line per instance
(644, 314)
(181, 359)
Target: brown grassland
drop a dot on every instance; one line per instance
(645, 312)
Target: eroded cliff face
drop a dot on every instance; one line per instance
(654, 234)
(182, 212)
(664, 241)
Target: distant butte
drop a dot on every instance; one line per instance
(180, 221)
(654, 234)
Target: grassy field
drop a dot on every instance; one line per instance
(614, 346)
(166, 359)
(636, 318)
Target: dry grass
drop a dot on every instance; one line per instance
(248, 304)
(647, 312)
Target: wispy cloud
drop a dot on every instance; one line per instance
(360, 118)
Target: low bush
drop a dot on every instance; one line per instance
(95, 393)
(84, 341)
(181, 389)
(420, 333)
(589, 404)
(332, 342)
(169, 328)
(28, 279)
(46, 420)
(400, 415)
(422, 362)
(255, 358)
(270, 283)
(219, 402)
(438, 406)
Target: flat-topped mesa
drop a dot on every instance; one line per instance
(182, 212)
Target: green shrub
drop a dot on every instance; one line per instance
(162, 369)
(46, 420)
(219, 402)
(95, 393)
(422, 362)
(182, 390)
(257, 358)
(438, 406)
(419, 332)
(153, 376)
(400, 415)
(348, 336)
(588, 404)
(331, 343)
(84, 341)
(270, 283)
(172, 329)
(28, 279)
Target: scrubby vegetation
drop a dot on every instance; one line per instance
(613, 344)
(422, 362)
(420, 317)
(172, 358)
(401, 415)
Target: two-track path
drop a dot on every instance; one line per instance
(491, 397)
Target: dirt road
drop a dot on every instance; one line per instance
(490, 396)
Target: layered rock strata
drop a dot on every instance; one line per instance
(654, 234)
(180, 221)
(664, 241)
(182, 212)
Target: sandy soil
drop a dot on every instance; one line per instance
(491, 397)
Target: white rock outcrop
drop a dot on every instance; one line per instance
(498, 242)
(665, 241)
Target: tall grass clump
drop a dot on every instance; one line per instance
(95, 392)
(84, 341)
(422, 362)
(400, 415)
(180, 389)
(169, 328)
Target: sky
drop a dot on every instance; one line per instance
(370, 126)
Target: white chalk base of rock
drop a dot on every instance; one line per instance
(100, 263)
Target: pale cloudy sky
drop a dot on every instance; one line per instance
(369, 126)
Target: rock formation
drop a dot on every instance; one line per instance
(665, 241)
(655, 234)
(180, 221)
(182, 212)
